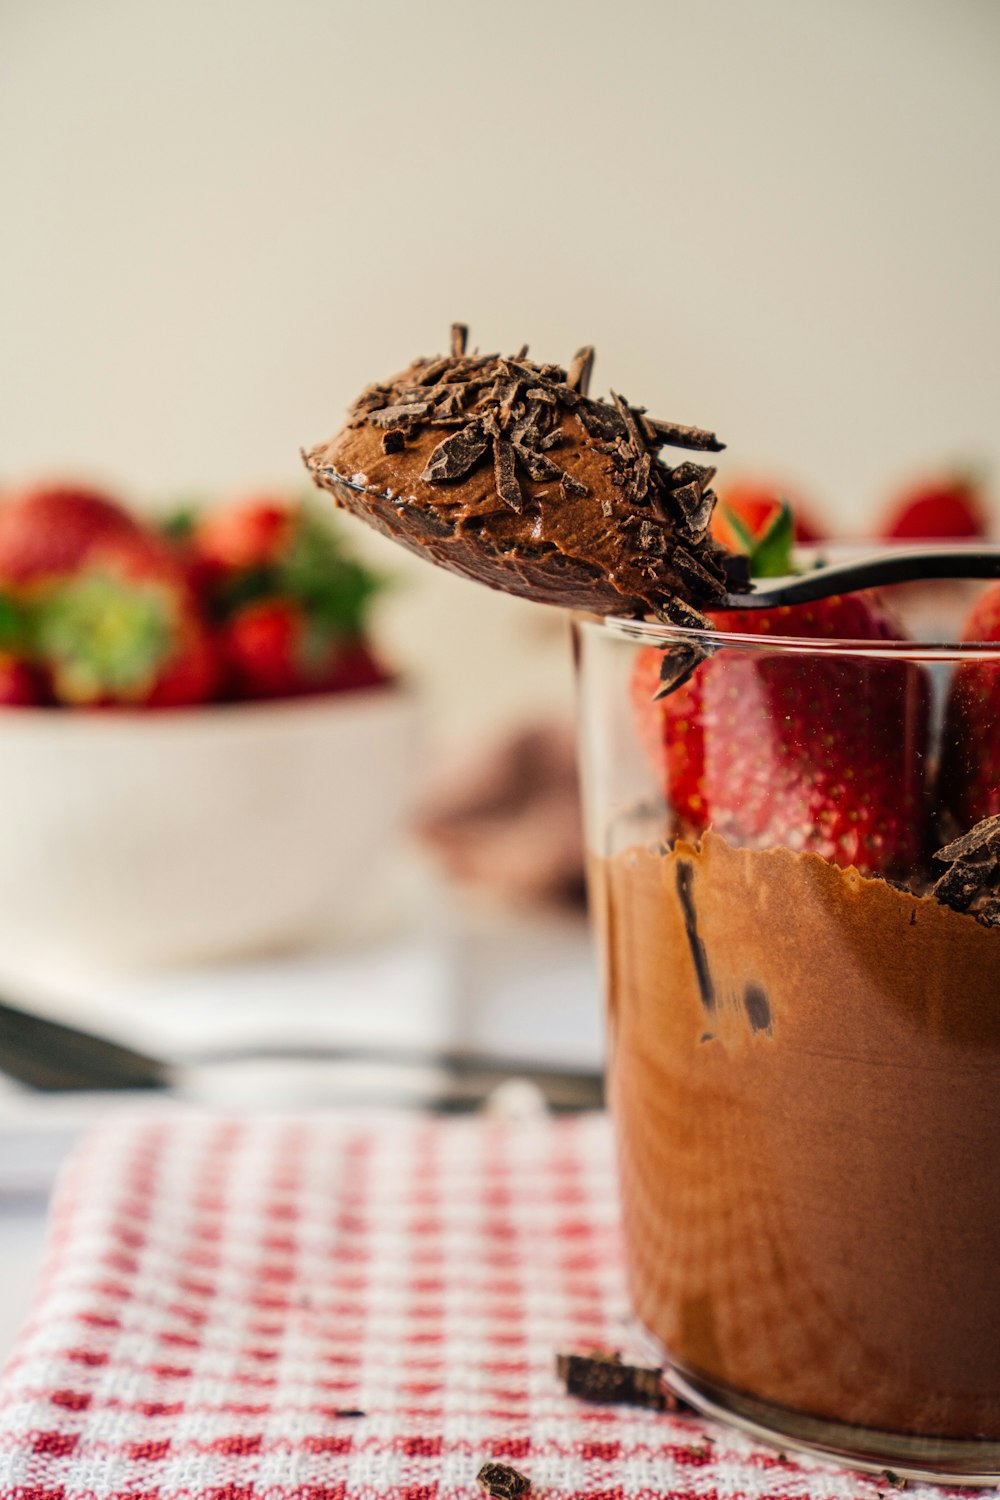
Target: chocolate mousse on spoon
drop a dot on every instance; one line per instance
(508, 472)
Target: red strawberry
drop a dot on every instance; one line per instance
(755, 506)
(952, 508)
(783, 749)
(19, 683)
(125, 629)
(274, 648)
(969, 779)
(252, 533)
(47, 531)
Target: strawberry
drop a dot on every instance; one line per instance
(969, 778)
(20, 686)
(252, 533)
(273, 648)
(125, 629)
(754, 506)
(289, 606)
(951, 508)
(46, 531)
(784, 749)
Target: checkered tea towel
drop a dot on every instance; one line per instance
(341, 1307)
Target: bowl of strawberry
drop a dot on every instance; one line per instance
(202, 751)
(793, 829)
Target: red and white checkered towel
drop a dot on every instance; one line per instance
(331, 1307)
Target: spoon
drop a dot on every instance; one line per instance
(51, 1056)
(913, 565)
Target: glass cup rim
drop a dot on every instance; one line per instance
(844, 549)
(658, 633)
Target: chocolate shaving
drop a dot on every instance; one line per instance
(677, 612)
(972, 883)
(601, 421)
(399, 416)
(652, 539)
(580, 369)
(959, 886)
(689, 473)
(675, 435)
(603, 1378)
(984, 836)
(693, 511)
(432, 372)
(539, 467)
(454, 456)
(526, 431)
(695, 576)
(505, 473)
(638, 452)
(678, 664)
(688, 498)
(394, 441)
(459, 339)
(502, 1481)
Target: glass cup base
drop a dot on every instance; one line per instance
(934, 1460)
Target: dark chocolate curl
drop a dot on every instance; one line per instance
(678, 663)
(581, 369)
(400, 416)
(675, 435)
(505, 472)
(603, 1378)
(689, 473)
(502, 1481)
(456, 455)
(695, 510)
(539, 467)
(985, 835)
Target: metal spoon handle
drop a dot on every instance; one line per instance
(913, 565)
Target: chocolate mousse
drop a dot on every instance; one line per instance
(509, 473)
(804, 1068)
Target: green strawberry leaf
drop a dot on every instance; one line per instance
(741, 531)
(332, 586)
(770, 554)
(238, 589)
(180, 520)
(13, 625)
(334, 590)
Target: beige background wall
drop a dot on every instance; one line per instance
(218, 220)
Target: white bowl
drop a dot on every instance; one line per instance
(133, 839)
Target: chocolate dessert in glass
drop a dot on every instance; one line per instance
(793, 823)
(804, 1020)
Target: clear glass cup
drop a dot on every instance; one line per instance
(803, 1040)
